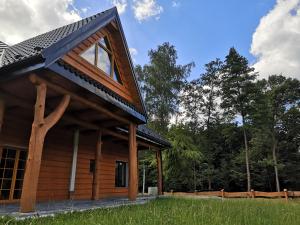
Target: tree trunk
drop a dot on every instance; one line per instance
(275, 163)
(195, 185)
(247, 158)
(209, 183)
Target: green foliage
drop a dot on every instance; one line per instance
(232, 125)
(181, 161)
(161, 82)
(237, 84)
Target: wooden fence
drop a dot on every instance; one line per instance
(251, 194)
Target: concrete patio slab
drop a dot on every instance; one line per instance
(44, 209)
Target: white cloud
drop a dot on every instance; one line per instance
(175, 4)
(276, 41)
(22, 19)
(145, 9)
(133, 51)
(85, 9)
(120, 4)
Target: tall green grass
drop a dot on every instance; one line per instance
(175, 211)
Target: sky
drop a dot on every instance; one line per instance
(266, 32)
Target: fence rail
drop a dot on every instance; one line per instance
(251, 194)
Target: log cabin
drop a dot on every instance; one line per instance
(72, 118)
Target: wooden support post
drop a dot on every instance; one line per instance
(252, 193)
(2, 110)
(133, 178)
(286, 195)
(222, 193)
(40, 127)
(159, 173)
(96, 178)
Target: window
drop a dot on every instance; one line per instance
(12, 167)
(89, 55)
(92, 166)
(101, 56)
(121, 174)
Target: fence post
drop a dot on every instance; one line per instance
(286, 195)
(252, 193)
(222, 193)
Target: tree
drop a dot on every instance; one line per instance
(237, 86)
(181, 160)
(162, 81)
(278, 95)
(201, 108)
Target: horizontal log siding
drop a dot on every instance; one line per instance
(57, 160)
(84, 179)
(56, 166)
(110, 154)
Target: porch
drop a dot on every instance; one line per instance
(75, 140)
(67, 206)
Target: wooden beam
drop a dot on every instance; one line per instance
(75, 120)
(37, 80)
(2, 110)
(133, 164)
(159, 173)
(96, 178)
(40, 127)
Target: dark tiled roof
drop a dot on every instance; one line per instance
(37, 46)
(146, 132)
(3, 46)
(102, 89)
(34, 46)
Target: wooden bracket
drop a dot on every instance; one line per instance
(40, 127)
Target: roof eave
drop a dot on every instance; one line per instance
(60, 48)
(92, 88)
(20, 68)
(130, 62)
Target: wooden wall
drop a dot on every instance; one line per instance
(57, 160)
(128, 89)
(56, 168)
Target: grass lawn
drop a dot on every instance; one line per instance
(184, 211)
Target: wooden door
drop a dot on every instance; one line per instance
(12, 167)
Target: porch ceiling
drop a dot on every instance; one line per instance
(20, 94)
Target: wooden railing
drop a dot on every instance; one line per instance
(251, 194)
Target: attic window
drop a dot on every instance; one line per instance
(101, 56)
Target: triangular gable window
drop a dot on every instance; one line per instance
(89, 55)
(116, 74)
(104, 60)
(105, 43)
(101, 56)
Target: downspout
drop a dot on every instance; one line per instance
(74, 164)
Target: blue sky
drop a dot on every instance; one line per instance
(200, 30)
(267, 32)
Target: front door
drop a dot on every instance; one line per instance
(12, 167)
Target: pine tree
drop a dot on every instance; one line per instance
(237, 85)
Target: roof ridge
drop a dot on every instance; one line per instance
(57, 28)
(35, 46)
